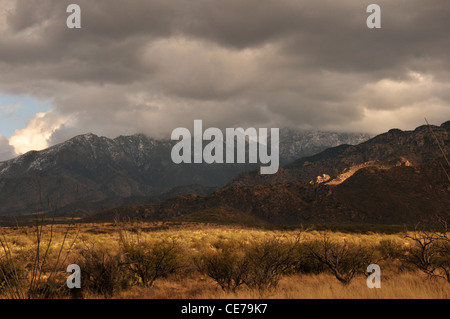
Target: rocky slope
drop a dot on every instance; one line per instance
(89, 171)
(386, 150)
(395, 178)
(398, 195)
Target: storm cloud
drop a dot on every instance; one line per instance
(152, 66)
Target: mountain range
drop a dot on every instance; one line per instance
(334, 165)
(90, 172)
(399, 177)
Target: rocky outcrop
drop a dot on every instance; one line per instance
(390, 149)
(396, 195)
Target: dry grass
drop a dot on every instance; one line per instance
(323, 286)
(396, 282)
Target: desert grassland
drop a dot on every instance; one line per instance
(399, 280)
(408, 285)
(195, 235)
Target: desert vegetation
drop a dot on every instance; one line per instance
(193, 260)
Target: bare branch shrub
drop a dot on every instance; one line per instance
(430, 252)
(151, 259)
(343, 259)
(258, 264)
(268, 260)
(101, 271)
(44, 273)
(304, 263)
(226, 265)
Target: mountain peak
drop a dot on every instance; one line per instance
(90, 168)
(395, 130)
(394, 148)
(85, 137)
(446, 125)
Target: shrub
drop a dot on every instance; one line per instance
(227, 266)
(258, 264)
(430, 253)
(152, 260)
(12, 276)
(267, 261)
(304, 263)
(36, 272)
(390, 249)
(343, 259)
(101, 271)
(52, 287)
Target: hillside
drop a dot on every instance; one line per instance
(398, 195)
(394, 178)
(386, 150)
(90, 172)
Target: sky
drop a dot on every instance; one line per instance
(151, 66)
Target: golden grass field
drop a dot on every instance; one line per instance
(323, 286)
(397, 280)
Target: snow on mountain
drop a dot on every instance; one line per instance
(92, 168)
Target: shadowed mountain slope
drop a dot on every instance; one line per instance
(89, 172)
(386, 150)
(398, 195)
(396, 178)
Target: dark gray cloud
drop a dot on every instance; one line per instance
(151, 66)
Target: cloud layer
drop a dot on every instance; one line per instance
(152, 66)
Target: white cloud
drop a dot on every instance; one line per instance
(36, 135)
(393, 94)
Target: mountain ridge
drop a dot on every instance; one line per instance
(401, 178)
(393, 148)
(91, 168)
(397, 195)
